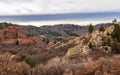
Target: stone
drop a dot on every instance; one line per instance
(86, 49)
(75, 50)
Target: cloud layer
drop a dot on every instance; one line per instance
(59, 11)
(26, 7)
(72, 18)
(65, 16)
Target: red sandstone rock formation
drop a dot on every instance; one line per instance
(11, 33)
(14, 35)
(30, 40)
(9, 41)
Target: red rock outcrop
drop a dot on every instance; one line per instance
(30, 40)
(14, 35)
(9, 41)
(11, 33)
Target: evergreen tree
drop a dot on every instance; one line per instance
(44, 39)
(90, 45)
(101, 28)
(90, 28)
(55, 41)
(115, 47)
(17, 42)
(47, 41)
(116, 32)
(114, 21)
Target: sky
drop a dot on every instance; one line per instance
(45, 12)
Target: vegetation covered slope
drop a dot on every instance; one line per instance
(95, 53)
(64, 30)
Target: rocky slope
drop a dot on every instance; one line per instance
(16, 35)
(84, 55)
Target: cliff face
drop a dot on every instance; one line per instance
(11, 33)
(16, 35)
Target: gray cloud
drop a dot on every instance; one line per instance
(59, 17)
(17, 0)
(20, 7)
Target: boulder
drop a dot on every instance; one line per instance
(75, 50)
(96, 38)
(86, 49)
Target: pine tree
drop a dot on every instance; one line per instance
(17, 42)
(90, 45)
(115, 47)
(47, 41)
(116, 32)
(90, 28)
(114, 21)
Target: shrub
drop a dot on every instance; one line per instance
(114, 21)
(47, 41)
(106, 41)
(43, 39)
(90, 45)
(101, 28)
(90, 28)
(30, 61)
(15, 68)
(17, 42)
(116, 32)
(115, 47)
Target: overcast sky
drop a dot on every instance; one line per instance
(58, 11)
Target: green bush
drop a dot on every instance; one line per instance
(116, 32)
(47, 41)
(106, 41)
(113, 44)
(90, 28)
(30, 61)
(114, 21)
(115, 47)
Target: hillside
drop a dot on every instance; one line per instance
(95, 53)
(13, 33)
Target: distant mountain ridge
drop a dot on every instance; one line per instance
(14, 33)
(64, 30)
